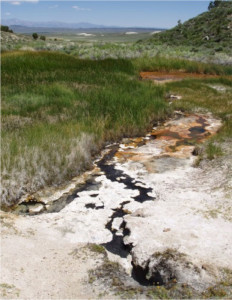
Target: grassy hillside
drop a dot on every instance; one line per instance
(212, 29)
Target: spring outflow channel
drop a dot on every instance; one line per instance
(116, 245)
(167, 145)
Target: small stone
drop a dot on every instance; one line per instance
(117, 223)
(99, 205)
(166, 229)
(175, 97)
(119, 233)
(204, 267)
(37, 208)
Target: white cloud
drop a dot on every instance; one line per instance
(79, 8)
(20, 1)
(7, 14)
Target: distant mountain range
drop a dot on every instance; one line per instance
(28, 27)
(50, 24)
(57, 24)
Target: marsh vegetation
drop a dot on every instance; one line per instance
(59, 111)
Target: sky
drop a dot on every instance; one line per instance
(163, 14)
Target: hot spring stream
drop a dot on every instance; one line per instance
(97, 207)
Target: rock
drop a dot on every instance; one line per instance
(117, 223)
(36, 208)
(175, 97)
(172, 264)
(169, 266)
(99, 205)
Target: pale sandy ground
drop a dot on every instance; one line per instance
(35, 265)
(44, 256)
(192, 215)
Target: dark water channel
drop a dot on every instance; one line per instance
(108, 167)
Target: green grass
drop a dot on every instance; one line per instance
(213, 150)
(58, 111)
(97, 249)
(159, 63)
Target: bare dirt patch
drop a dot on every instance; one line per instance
(164, 77)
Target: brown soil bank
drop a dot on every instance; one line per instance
(174, 76)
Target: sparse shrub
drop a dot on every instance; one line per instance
(214, 4)
(215, 293)
(35, 36)
(97, 248)
(219, 49)
(43, 37)
(6, 29)
(213, 151)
